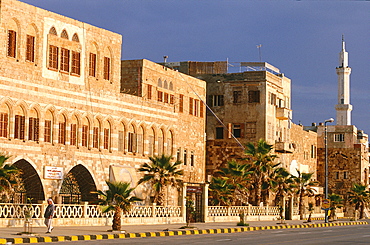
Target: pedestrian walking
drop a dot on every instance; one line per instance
(48, 215)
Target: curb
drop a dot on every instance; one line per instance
(167, 233)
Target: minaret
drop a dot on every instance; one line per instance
(343, 107)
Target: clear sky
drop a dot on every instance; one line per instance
(301, 38)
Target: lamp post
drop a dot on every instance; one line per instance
(330, 120)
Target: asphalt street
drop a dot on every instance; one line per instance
(359, 234)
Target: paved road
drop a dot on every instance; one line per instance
(359, 234)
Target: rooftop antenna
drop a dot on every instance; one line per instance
(259, 51)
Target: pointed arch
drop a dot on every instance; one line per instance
(53, 31)
(31, 181)
(83, 180)
(64, 34)
(75, 38)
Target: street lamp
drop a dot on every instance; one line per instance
(330, 120)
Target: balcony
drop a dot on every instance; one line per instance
(284, 147)
(282, 113)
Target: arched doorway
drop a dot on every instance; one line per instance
(31, 182)
(78, 186)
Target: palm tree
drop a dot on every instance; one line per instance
(303, 185)
(220, 191)
(282, 185)
(261, 166)
(119, 198)
(237, 176)
(336, 201)
(160, 172)
(360, 197)
(8, 176)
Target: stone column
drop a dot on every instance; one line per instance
(205, 202)
(183, 202)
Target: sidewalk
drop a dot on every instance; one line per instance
(64, 233)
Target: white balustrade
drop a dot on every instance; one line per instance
(9, 210)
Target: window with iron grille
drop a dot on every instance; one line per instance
(237, 96)
(131, 142)
(53, 57)
(62, 133)
(160, 96)
(181, 103)
(47, 131)
(85, 135)
(216, 100)
(149, 92)
(106, 75)
(73, 134)
(92, 65)
(3, 124)
(254, 96)
(121, 142)
(106, 139)
(165, 95)
(76, 65)
(172, 99)
(19, 127)
(96, 137)
(196, 105)
(338, 137)
(33, 129)
(191, 106)
(12, 43)
(64, 60)
(30, 48)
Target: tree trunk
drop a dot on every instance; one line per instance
(362, 209)
(301, 206)
(116, 226)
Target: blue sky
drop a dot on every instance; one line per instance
(301, 38)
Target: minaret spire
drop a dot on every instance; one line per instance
(343, 107)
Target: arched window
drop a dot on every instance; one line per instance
(75, 38)
(131, 139)
(74, 131)
(159, 83)
(170, 143)
(62, 129)
(151, 140)
(33, 126)
(64, 34)
(160, 142)
(140, 140)
(85, 132)
(4, 120)
(107, 133)
(48, 127)
(53, 31)
(19, 123)
(96, 133)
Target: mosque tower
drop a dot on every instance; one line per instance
(343, 107)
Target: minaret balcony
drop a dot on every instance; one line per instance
(282, 113)
(284, 147)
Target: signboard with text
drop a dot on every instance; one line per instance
(53, 172)
(194, 189)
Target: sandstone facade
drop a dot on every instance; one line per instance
(65, 108)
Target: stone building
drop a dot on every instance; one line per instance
(70, 120)
(249, 105)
